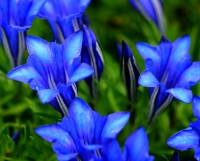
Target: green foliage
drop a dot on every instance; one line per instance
(20, 108)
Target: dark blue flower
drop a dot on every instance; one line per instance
(151, 9)
(92, 55)
(16, 17)
(83, 132)
(130, 71)
(53, 69)
(136, 148)
(189, 137)
(169, 73)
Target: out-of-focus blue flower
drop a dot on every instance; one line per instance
(130, 71)
(189, 138)
(53, 69)
(169, 72)
(136, 148)
(64, 10)
(175, 156)
(16, 17)
(15, 136)
(83, 132)
(151, 9)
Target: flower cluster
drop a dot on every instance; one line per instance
(54, 70)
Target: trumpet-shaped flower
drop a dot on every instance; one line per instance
(136, 148)
(151, 9)
(189, 137)
(130, 71)
(53, 69)
(169, 73)
(16, 17)
(64, 18)
(83, 132)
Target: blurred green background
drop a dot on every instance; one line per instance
(112, 22)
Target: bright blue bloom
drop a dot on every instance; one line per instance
(16, 17)
(53, 69)
(175, 156)
(189, 137)
(151, 9)
(136, 148)
(65, 18)
(130, 71)
(83, 132)
(169, 73)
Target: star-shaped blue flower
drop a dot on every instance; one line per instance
(189, 137)
(16, 17)
(53, 69)
(83, 132)
(169, 72)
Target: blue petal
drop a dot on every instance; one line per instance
(147, 79)
(136, 146)
(111, 151)
(72, 47)
(149, 52)
(182, 94)
(69, 93)
(24, 73)
(196, 106)
(197, 153)
(100, 123)
(185, 139)
(47, 95)
(55, 133)
(41, 55)
(59, 148)
(66, 157)
(84, 119)
(92, 147)
(190, 76)
(114, 124)
(83, 71)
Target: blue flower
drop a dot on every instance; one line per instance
(130, 71)
(65, 18)
(64, 10)
(83, 132)
(136, 148)
(189, 137)
(169, 73)
(16, 17)
(53, 69)
(151, 9)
